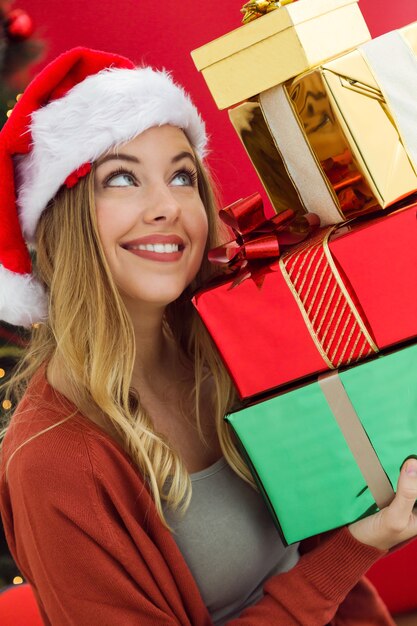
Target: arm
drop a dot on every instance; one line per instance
(327, 585)
(363, 607)
(311, 593)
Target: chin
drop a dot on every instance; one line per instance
(152, 298)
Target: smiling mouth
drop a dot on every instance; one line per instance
(162, 252)
(159, 248)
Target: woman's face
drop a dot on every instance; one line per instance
(151, 220)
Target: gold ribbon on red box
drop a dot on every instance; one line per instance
(333, 317)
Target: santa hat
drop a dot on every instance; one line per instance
(80, 106)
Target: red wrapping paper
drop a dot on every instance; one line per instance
(261, 333)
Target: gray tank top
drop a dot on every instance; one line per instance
(229, 541)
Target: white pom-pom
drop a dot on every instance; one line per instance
(22, 299)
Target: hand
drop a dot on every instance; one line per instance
(398, 521)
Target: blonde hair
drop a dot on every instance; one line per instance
(90, 330)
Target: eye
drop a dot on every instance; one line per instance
(122, 178)
(185, 178)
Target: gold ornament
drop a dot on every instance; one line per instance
(256, 8)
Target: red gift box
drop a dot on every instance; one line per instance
(268, 337)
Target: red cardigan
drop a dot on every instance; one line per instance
(85, 533)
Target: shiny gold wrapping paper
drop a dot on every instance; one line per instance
(278, 46)
(286, 166)
(336, 111)
(250, 124)
(363, 119)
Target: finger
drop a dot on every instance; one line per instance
(402, 505)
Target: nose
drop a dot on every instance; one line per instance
(161, 205)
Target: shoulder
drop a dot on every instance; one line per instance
(72, 474)
(50, 443)
(55, 455)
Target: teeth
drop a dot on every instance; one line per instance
(158, 247)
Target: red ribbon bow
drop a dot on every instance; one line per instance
(258, 238)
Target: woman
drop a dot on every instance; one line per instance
(123, 411)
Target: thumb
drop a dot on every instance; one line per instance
(405, 499)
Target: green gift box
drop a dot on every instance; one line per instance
(330, 452)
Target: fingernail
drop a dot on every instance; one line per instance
(408, 458)
(411, 467)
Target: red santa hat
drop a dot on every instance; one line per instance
(81, 105)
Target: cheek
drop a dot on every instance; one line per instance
(199, 243)
(201, 227)
(111, 224)
(103, 225)
(204, 234)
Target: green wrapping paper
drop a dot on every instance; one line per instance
(300, 459)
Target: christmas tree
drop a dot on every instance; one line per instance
(18, 50)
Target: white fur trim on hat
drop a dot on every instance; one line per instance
(22, 298)
(104, 110)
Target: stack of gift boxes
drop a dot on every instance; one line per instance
(320, 337)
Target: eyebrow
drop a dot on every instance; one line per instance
(117, 157)
(182, 155)
(121, 156)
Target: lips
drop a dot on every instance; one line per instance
(162, 247)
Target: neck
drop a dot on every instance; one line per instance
(150, 347)
(155, 352)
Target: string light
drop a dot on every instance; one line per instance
(17, 580)
(12, 104)
(2, 373)
(6, 404)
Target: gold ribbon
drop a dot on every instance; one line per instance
(256, 8)
(324, 309)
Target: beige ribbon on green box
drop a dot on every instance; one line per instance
(356, 438)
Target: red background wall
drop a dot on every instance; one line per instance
(162, 34)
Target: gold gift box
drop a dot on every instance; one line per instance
(327, 142)
(278, 46)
